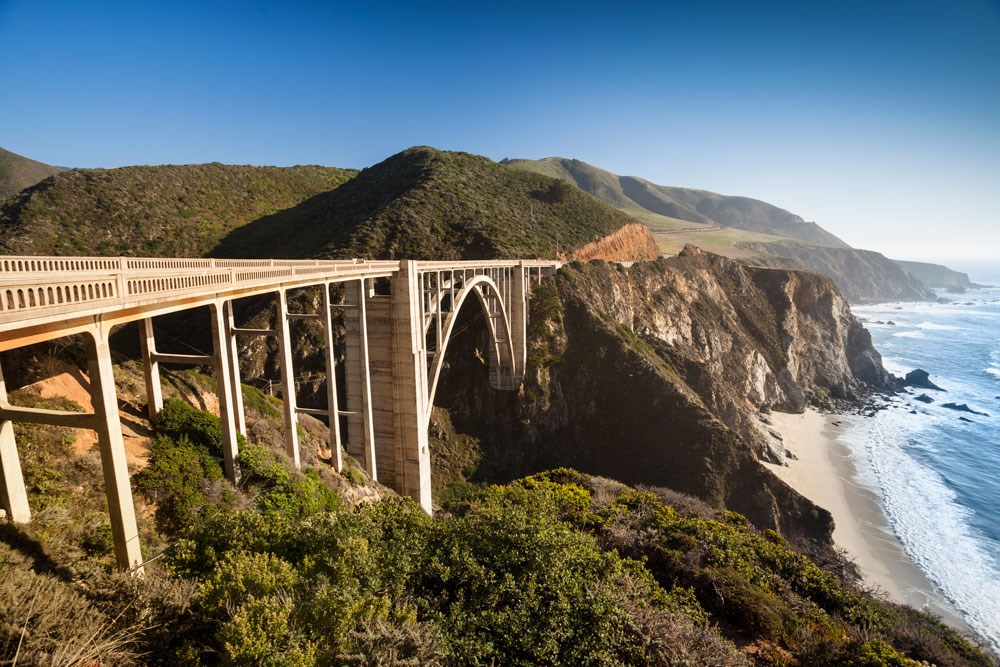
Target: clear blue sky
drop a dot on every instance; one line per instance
(879, 120)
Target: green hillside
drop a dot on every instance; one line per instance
(18, 173)
(669, 205)
(163, 210)
(426, 203)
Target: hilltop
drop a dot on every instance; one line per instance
(18, 172)
(426, 203)
(663, 207)
(169, 210)
(747, 229)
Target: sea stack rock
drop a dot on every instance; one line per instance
(920, 378)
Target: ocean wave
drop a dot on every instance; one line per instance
(909, 334)
(933, 528)
(933, 326)
(992, 370)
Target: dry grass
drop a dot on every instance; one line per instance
(44, 622)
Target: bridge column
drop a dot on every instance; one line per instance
(332, 407)
(517, 308)
(109, 437)
(233, 354)
(410, 386)
(225, 388)
(360, 424)
(288, 380)
(150, 369)
(13, 496)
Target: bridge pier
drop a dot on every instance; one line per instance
(360, 424)
(108, 425)
(411, 393)
(13, 496)
(291, 415)
(227, 388)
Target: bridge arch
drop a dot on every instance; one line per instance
(498, 325)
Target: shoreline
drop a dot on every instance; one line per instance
(825, 474)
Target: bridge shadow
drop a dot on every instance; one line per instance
(18, 540)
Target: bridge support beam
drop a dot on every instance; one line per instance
(233, 354)
(517, 308)
(360, 424)
(287, 380)
(410, 386)
(13, 496)
(332, 407)
(150, 368)
(109, 437)
(226, 389)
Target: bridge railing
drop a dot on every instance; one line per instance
(48, 286)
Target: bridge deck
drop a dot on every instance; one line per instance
(42, 298)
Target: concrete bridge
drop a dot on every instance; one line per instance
(398, 317)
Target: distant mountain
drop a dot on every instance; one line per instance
(864, 276)
(750, 230)
(427, 203)
(18, 173)
(635, 194)
(936, 275)
(165, 210)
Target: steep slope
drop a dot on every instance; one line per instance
(864, 276)
(163, 210)
(685, 204)
(18, 172)
(659, 374)
(936, 275)
(426, 203)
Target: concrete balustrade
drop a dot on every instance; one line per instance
(394, 347)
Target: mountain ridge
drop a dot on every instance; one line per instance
(18, 172)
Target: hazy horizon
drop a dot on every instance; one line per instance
(877, 121)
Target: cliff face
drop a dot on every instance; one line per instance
(936, 275)
(863, 276)
(659, 374)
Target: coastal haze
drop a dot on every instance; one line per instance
(770, 236)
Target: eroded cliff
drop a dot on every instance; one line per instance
(662, 374)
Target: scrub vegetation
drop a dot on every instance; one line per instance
(555, 568)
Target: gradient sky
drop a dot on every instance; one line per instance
(879, 120)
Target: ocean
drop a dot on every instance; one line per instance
(935, 470)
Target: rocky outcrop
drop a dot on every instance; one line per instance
(630, 243)
(659, 374)
(863, 276)
(920, 378)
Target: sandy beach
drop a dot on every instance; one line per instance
(824, 473)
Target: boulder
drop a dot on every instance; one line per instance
(920, 378)
(924, 398)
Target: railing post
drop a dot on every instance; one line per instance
(109, 438)
(225, 391)
(13, 496)
(150, 368)
(287, 380)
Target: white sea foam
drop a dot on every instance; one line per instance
(932, 526)
(994, 371)
(909, 334)
(933, 326)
